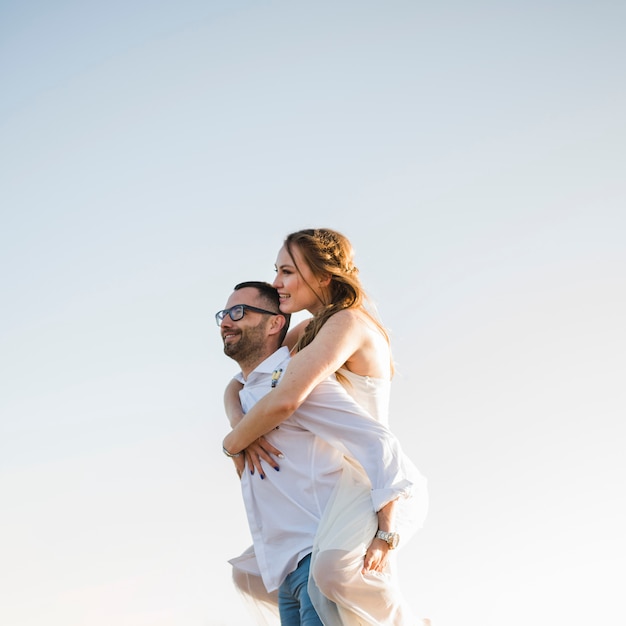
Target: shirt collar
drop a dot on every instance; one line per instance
(268, 366)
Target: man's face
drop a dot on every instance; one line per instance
(246, 338)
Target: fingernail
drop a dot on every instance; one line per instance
(262, 477)
(281, 456)
(277, 469)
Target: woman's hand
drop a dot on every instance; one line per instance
(376, 556)
(262, 450)
(240, 464)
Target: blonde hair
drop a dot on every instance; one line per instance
(329, 253)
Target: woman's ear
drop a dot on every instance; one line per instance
(325, 280)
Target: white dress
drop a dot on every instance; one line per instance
(345, 532)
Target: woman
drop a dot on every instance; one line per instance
(315, 272)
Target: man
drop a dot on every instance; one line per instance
(284, 509)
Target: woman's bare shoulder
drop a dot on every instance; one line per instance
(355, 319)
(346, 317)
(372, 355)
(351, 328)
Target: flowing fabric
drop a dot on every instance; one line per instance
(261, 604)
(341, 593)
(346, 531)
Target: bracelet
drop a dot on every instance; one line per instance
(228, 454)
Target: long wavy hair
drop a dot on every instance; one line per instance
(329, 253)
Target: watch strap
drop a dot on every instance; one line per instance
(390, 537)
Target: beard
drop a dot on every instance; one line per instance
(247, 347)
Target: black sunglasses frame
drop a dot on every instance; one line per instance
(220, 315)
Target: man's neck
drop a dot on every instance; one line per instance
(249, 364)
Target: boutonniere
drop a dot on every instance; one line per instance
(275, 377)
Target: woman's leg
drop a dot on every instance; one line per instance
(371, 599)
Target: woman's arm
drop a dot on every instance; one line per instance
(378, 551)
(339, 338)
(232, 403)
(234, 413)
(258, 450)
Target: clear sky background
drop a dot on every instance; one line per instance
(153, 154)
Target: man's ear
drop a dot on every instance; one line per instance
(277, 323)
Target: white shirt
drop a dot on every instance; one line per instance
(285, 508)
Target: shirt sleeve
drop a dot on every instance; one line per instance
(330, 413)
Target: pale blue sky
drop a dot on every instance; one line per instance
(154, 155)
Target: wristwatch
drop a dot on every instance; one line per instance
(393, 539)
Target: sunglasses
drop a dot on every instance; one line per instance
(238, 311)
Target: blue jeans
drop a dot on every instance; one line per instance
(294, 604)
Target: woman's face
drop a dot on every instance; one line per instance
(295, 288)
